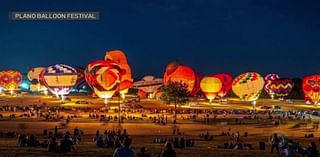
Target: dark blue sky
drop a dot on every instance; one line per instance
(212, 36)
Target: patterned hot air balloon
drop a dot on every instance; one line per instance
(120, 58)
(10, 79)
(226, 80)
(59, 79)
(311, 89)
(34, 77)
(211, 86)
(148, 84)
(180, 73)
(248, 86)
(282, 87)
(268, 80)
(104, 77)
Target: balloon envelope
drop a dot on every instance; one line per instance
(282, 87)
(104, 78)
(311, 88)
(248, 86)
(226, 80)
(10, 79)
(268, 80)
(59, 78)
(210, 86)
(184, 74)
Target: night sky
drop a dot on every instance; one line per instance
(235, 36)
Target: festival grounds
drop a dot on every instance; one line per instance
(143, 131)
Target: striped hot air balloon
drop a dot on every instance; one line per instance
(248, 86)
(268, 80)
(59, 79)
(282, 87)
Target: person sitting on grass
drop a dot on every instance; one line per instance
(168, 151)
(125, 151)
(66, 144)
(52, 147)
(143, 152)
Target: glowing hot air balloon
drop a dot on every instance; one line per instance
(268, 80)
(10, 80)
(180, 73)
(248, 86)
(282, 87)
(120, 58)
(311, 89)
(104, 77)
(34, 77)
(210, 86)
(59, 79)
(226, 80)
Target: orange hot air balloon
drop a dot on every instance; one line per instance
(180, 73)
(311, 89)
(10, 79)
(104, 78)
(119, 57)
(211, 86)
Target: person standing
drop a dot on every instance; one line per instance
(275, 142)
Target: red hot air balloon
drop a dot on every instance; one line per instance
(226, 80)
(10, 79)
(311, 89)
(180, 73)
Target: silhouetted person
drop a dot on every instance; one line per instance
(312, 150)
(52, 147)
(143, 153)
(168, 151)
(66, 144)
(275, 142)
(125, 151)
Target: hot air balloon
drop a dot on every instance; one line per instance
(311, 89)
(180, 73)
(148, 84)
(282, 87)
(248, 86)
(59, 79)
(120, 58)
(34, 77)
(211, 86)
(104, 77)
(10, 80)
(268, 80)
(226, 80)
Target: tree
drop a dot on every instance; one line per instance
(175, 93)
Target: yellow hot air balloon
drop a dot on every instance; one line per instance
(210, 86)
(248, 86)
